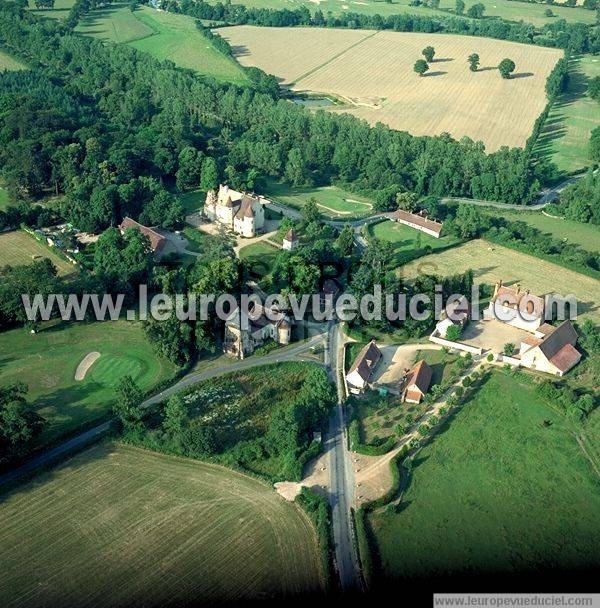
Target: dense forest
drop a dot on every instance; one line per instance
(113, 129)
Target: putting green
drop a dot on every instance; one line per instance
(108, 370)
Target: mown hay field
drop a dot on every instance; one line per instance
(18, 248)
(491, 262)
(374, 76)
(118, 526)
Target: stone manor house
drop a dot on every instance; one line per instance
(241, 212)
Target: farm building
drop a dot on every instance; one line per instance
(417, 382)
(243, 213)
(455, 313)
(418, 221)
(361, 372)
(290, 240)
(516, 307)
(244, 335)
(554, 352)
(330, 290)
(160, 245)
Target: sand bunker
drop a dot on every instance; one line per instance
(86, 363)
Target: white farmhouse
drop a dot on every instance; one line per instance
(516, 307)
(243, 213)
(361, 372)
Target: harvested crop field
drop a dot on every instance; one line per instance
(491, 262)
(373, 73)
(120, 526)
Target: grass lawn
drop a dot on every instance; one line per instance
(117, 526)
(164, 36)
(566, 134)
(4, 199)
(409, 243)
(504, 488)
(334, 202)
(115, 22)
(260, 257)
(491, 262)
(586, 236)
(176, 38)
(19, 248)
(47, 361)
(7, 62)
(192, 201)
(507, 9)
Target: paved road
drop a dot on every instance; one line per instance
(341, 481)
(290, 353)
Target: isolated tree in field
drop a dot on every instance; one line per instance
(459, 7)
(473, 62)
(428, 52)
(476, 11)
(506, 67)
(594, 88)
(548, 13)
(421, 66)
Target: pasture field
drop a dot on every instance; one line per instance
(18, 248)
(491, 262)
(260, 257)
(506, 9)
(504, 487)
(176, 38)
(47, 361)
(164, 36)
(375, 76)
(115, 22)
(118, 526)
(60, 11)
(565, 137)
(586, 236)
(7, 62)
(4, 199)
(333, 202)
(409, 243)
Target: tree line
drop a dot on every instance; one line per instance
(577, 37)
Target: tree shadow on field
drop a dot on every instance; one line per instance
(437, 73)
(487, 68)
(443, 59)
(521, 75)
(240, 50)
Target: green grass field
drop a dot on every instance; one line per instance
(47, 361)
(60, 11)
(192, 201)
(586, 236)
(507, 9)
(4, 199)
(260, 258)
(18, 248)
(119, 526)
(505, 487)
(491, 262)
(164, 36)
(566, 134)
(334, 202)
(409, 243)
(7, 62)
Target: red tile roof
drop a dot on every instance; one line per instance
(419, 220)
(566, 358)
(157, 241)
(420, 375)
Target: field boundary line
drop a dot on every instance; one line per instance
(317, 68)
